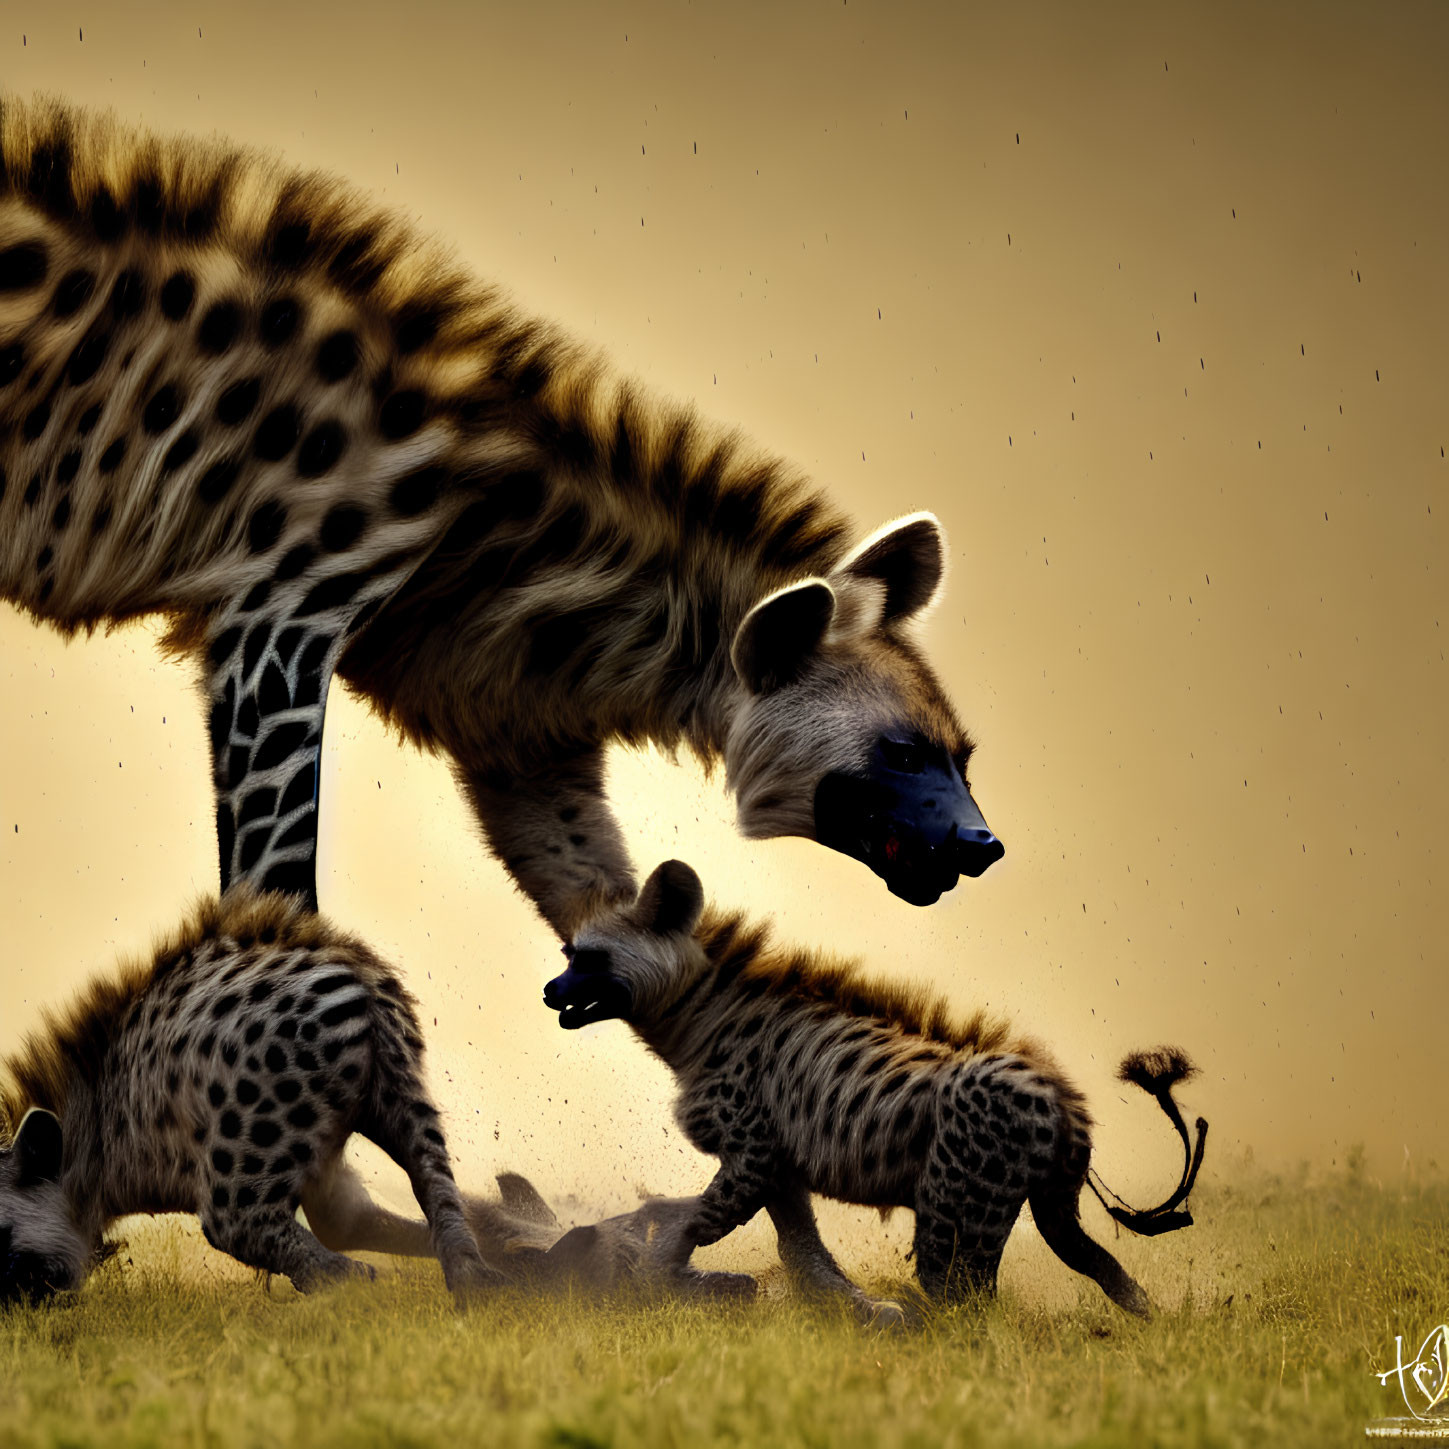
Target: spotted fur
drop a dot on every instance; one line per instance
(803, 1076)
(248, 400)
(223, 1077)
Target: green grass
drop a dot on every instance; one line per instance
(1283, 1300)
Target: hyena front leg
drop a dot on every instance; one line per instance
(557, 836)
(271, 658)
(804, 1254)
(738, 1191)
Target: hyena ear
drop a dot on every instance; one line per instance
(776, 639)
(38, 1147)
(672, 899)
(908, 557)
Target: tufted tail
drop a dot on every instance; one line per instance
(1157, 1073)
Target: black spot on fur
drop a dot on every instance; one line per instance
(12, 362)
(290, 244)
(300, 789)
(247, 717)
(272, 694)
(246, 1196)
(236, 404)
(264, 1133)
(162, 409)
(303, 1115)
(182, 451)
(49, 180)
(265, 526)
(344, 1011)
(85, 361)
(32, 490)
(355, 266)
(401, 415)
(215, 483)
(229, 1126)
(337, 356)
(216, 1094)
(288, 1089)
(222, 1161)
(238, 759)
(415, 328)
(108, 221)
(321, 449)
(253, 1036)
(36, 420)
(416, 492)
(256, 595)
(111, 458)
(72, 292)
(219, 327)
(177, 295)
(291, 877)
(283, 740)
(220, 1198)
(330, 593)
(260, 805)
(287, 642)
(279, 321)
(128, 294)
(296, 560)
(342, 527)
(68, 467)
(22, 267)
(276, 434)
(61, 517)
(224, 645)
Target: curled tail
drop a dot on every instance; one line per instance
(1157, 1073)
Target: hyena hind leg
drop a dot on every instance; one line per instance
(270, 1238)
(1054, 1210)
(404, 1123)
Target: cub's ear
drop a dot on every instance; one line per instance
(908, 557)
(777, 637)
(38, 1147)
(671, 900)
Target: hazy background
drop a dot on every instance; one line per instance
(1149, 305)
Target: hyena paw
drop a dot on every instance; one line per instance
(881, 1313)
(471, 1281)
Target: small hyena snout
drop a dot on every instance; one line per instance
(977, 849)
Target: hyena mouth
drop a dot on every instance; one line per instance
(910, 818)
(584, 997)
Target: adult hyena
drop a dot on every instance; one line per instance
(223, 1077)
(247, 400)
(801, 1076)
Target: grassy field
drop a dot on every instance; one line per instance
(1278, 1307)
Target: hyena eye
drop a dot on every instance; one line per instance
(902, 757)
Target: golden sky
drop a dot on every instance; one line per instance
(1148, 304)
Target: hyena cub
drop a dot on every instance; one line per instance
(223, 1078)
(803, 1077)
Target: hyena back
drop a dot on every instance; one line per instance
(244, 399)
(803, 1077)
(223, 1078)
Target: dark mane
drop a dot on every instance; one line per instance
(743, 951)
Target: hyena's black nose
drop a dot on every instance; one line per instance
(977, 851)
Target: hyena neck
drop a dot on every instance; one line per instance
(594, 596)
(685, 1030)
